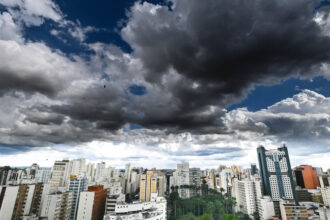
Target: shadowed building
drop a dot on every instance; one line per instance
(306, 177)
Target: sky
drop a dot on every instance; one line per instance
(154, 83)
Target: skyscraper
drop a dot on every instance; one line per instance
(152, 182)
(276, 173)
(77, 185)
(60, 175)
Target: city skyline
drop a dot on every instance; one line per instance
(157, 82)
(76, 189)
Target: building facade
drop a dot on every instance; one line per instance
(276, 173)
(92, 203)
(306, 177)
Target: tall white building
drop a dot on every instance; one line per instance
(90, 171)
(78, 166)
(226, 176)
(128, 172)
(60, 175)
(326, 195)
(100, 173)
(43, 175)
(57, 206)
(182, 178)
(248, 193)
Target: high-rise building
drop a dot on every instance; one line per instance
(77, 184)
(43, 175)
(226, 176)
(143, 185)
(100, 172)
(195, 176)
(153, 181)
(306, 177)
(276, 173)
(60, 175)
(4, 175)
(33, 169)
(182, 178)
(326, 195)
(57, 206)
(90, 171)
(78, 166)
(128, 172)
(248, 193)
(211, 180)
(92, 203)
(16, 201)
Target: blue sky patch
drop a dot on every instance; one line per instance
(137, 90)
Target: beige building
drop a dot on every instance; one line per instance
(60, 175)
(153, 181)
(291, 211)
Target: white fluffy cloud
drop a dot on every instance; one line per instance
(33, 12)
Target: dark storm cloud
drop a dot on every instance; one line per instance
(10, 81)
(220, 49)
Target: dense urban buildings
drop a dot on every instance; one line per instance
(74, 190)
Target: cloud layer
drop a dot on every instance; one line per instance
(190, 61)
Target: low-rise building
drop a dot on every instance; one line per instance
(291, 211)
(153, 210)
